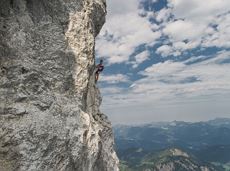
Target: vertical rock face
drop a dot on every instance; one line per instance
(49, 103)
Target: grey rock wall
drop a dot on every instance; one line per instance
(49, 103)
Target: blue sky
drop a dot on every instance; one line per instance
(165, 60)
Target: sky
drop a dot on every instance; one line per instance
(165, 60)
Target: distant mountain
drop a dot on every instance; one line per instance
(221, 122)
(169, 160)
(207, 141)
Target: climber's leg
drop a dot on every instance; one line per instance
(96, 76)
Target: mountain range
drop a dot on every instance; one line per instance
(205, 142)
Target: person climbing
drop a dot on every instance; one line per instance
(100, 68)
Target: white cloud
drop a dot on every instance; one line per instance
(123, 32)
(120, 7)
(163, 14)
(170, 80)
(194, 23)
(111, 90)
(141, 57)
(199, 11)
(220, 37)
(163, 69)
(177, 48)
(182, 30)
(165, 50)
(184, 25)
(170, 77)
(114, 79)
(188, 24)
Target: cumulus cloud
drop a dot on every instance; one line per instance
(141, 57)
(172, 80)
(220, 36)
(120, 7)
(198, 11)
(176, 48)
(114, 79)
(165, 50)
(194, 23)
(181, 28)
(163, 69)
(185, 24)
(112, 90)
(163, 14)
(124, 31)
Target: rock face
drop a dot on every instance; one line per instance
(49, 103)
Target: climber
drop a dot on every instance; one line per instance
(99, 68)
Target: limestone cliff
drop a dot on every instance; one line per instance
(49, 103)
